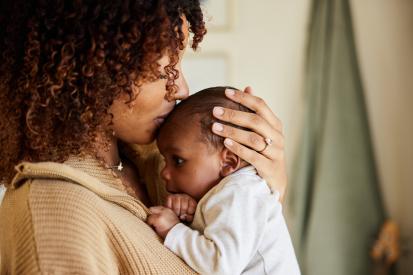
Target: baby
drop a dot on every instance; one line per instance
(237, 222)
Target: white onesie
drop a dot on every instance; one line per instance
(238, 227)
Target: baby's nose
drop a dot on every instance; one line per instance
(165, 175)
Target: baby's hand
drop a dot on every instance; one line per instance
(162, 219)
(183, 205)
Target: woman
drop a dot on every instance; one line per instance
(80, 81)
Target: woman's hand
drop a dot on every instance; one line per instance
(263, 146)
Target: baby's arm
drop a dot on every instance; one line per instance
(235, 223)
(162, 219)
(177, 207)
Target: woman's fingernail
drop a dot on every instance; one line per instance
(229, 92)
(217, 127)
(219, 111)
(228, 142)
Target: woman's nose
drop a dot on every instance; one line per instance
(183, 89)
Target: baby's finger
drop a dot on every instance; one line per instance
(152, 220)
(184, 205)
(186, 217)
(156, 209)
(168, 202)
(176, 205)
(191, 207)
(189, 218)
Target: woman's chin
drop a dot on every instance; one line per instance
(149, 136)
(144, 136)
(145, 140)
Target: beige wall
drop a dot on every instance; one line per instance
(264, 48)
(384, 33)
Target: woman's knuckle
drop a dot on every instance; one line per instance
(238, 149)
(256, 120)
(278, 125)
(254, 139)
(278, 155)
(242, 97)
(229, 131)
(231, 114)
(278, 140)
(259, 102)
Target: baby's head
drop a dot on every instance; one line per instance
(195, 158)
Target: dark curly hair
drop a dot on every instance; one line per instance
(63, 62)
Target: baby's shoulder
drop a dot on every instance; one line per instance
(246, 180)
(242, 183)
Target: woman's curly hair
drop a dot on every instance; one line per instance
(63, 62)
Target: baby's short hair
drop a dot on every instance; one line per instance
(199, 106)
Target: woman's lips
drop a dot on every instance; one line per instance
(160, 119)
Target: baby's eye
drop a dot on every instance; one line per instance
(178, 161)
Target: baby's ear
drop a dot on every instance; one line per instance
(229, 162)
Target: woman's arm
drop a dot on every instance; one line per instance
(263, 146)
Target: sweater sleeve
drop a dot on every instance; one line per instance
(235, 221)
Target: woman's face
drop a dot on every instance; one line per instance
(137, 122)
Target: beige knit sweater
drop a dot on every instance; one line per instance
(77, 218)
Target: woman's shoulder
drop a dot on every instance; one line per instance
(60, 227)
(74, 226)
(63, 196)
(55, 205)
(55, 189)
(59, 223)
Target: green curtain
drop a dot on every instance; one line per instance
(334, 201)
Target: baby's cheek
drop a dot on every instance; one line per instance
(210, 178)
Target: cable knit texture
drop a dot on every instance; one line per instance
(77, 218)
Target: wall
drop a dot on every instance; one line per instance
(385, 47)
(264, 48)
